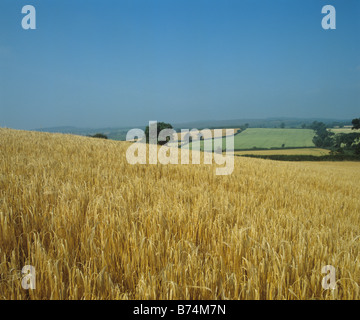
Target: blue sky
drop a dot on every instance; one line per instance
(125, 62)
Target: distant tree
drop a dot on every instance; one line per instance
(282, 125)
(303, 126)
(160, 126)
(99, 135)
(323, 137)
(356, 124)
(357, 149)
(318, 126)
(283, 145)
(244, 126)
(339, 143)
(347, 139)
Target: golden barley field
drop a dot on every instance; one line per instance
(96, 227)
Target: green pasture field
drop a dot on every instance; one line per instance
(267, 138)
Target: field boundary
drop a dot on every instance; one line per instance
(336, 157)
(275, 148)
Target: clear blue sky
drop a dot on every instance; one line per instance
(125, 62)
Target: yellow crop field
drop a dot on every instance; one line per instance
(299, 151)
(95, 227)
(343, 130)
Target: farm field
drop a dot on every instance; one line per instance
(273, 138)
(96, 227)
(179, 136)
(299, 151)
(266, 138)
(342, 130)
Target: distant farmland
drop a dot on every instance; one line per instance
(299, 151)
(274, 138)
(341, 130)
(267, 138)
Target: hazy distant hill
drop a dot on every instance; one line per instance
(259, 123)
(113, 133)
(119, 133)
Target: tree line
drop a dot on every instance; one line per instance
(338, 143)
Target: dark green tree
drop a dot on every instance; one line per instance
(357, 149)
(323, 137)
(348, 139)
(356, 124)
(160, 126)
(99, 135)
